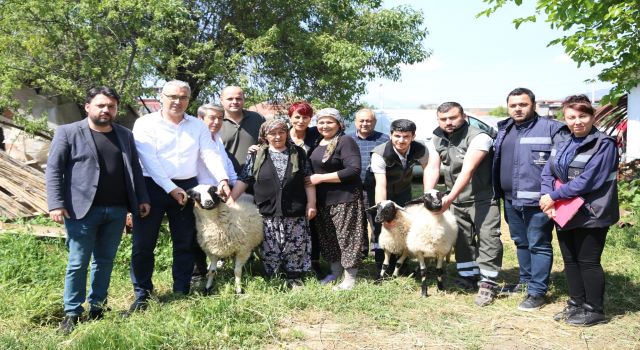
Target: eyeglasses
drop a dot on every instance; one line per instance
(177, 97)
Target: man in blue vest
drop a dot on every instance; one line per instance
(521, 149)
(463, 152)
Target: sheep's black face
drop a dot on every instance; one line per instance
(433, 200)
(385, 211)
(204, 196)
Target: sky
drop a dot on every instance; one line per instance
(477, 61)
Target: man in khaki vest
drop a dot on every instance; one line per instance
(464, 155)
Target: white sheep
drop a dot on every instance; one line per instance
(431, 235)
(396, 222)
(224, 231)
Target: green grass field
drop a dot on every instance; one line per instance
(268, 315)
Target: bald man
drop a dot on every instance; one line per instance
(240, 127)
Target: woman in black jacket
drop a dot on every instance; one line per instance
(277, 171)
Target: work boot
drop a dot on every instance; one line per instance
(487, 292)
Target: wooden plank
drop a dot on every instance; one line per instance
(36, 230)
(24, 183)
(12, 209)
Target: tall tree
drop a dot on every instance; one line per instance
(595, 32)
(321, 50)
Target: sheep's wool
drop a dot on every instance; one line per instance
(225, 231)
(432, 235)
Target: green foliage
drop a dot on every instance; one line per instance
(595, 32)
(321, 50)
(629, 195)
(33, 126)
(500, 111)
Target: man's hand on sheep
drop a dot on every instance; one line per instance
(224, 190)
(179, 195)
(58, 215)
(446, 202)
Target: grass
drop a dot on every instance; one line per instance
(270, 316)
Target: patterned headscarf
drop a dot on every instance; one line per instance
(335, 114)
(261, 153)
(269, 126)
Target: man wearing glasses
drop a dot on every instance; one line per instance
(170, 143)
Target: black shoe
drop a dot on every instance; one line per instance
(137, 305)
(516, 288)
(469, 284)
(586, 317)
(95, 314)
(68, 324)
(532, 303)
(572, 307)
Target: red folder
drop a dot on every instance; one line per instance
(566, 209)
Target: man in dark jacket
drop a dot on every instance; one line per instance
(521, 149)
(93, 178)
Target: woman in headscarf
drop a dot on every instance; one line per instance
(341, 219)
(277, 171)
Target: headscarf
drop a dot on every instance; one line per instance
(267, 127)
(335, 114)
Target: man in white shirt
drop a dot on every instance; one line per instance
(170, 144)
(464, 154)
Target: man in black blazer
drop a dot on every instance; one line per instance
(93, 178)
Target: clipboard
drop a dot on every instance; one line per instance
(566, 209)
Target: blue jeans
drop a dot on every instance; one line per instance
(530, 230)
(97, 234)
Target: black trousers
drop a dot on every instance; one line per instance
(182, 226)
(581, 251)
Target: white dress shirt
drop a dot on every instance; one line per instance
(204, 175)
(168, 151)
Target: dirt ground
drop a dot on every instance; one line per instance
(513, 330)
(499, 326)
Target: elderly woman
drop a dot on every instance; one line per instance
(583, 165)
(341, 221)
(277, 171)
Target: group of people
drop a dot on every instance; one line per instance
(312, 184)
